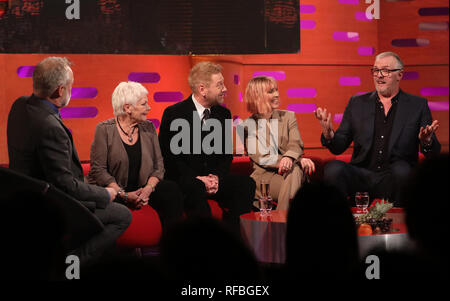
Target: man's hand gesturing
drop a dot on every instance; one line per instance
(325, 122)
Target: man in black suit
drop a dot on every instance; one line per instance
(201, 165)
(387, 126)
(41, 146)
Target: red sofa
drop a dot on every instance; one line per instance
(145, 228)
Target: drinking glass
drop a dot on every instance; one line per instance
(362, 201)
(264, 188)
(265, 202)
(265, 206)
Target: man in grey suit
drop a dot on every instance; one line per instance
(41, 146)
(387, 128)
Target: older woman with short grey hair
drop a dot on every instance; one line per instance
(125, 155)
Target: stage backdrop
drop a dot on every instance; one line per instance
(338, 46)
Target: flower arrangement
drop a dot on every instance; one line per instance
(375, 218)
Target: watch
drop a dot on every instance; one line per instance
(125, 194)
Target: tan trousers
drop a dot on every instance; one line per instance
(283, 188)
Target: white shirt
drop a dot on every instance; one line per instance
(199, 107)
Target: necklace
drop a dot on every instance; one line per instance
(130, 135)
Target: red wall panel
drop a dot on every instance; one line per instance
(319, 68)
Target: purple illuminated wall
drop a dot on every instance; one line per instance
(349, 81)
(346, 36)
(25, 71)
(301, 92)
(79, 112)
(434, 91)
(302, 107)
(278, 75)
(84, 92)
(144, 77)
(168, 96)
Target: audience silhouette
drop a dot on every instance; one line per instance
(321, 241)
(426, 206)
(426, 218)
(32, 238)
(204, 249)
(425, 209)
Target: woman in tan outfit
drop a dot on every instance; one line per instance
(126, 156)
(276, 152)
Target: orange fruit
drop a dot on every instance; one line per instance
(365, 229)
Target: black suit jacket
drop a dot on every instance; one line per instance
(186, 165)
(40, 146)
(358, 125)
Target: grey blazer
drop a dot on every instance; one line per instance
(41, 146)
(109, 159)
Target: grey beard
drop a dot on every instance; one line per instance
(385, 93)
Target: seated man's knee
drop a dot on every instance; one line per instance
(126, 216)
(120, 213)
(334, 170)
(400, 170)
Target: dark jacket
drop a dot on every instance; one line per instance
(41, 146)
(358, 126)
(194, 162)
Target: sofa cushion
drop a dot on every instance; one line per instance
(144, 231)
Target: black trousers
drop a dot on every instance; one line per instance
(235, 196)
(387, 184)
(168, 202)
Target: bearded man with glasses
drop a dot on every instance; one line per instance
(387, 127)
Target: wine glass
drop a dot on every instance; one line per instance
(362, 201)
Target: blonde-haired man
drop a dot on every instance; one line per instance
(201, 173)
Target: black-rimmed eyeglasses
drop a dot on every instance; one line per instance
(384, 72)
